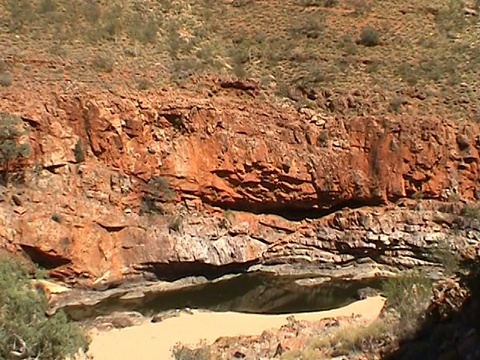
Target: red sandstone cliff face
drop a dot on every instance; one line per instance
(229, 149)
(245, 154)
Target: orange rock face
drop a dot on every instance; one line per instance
(84, 219)
(261, 158)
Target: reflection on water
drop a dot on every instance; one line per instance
(252, 293)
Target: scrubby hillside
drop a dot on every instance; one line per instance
(381, 56)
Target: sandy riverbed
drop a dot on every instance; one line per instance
(154, 341)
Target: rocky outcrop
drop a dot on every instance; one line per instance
(295, 339)
(121, 187)
(118, 320)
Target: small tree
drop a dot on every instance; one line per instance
(10, 149)
(25, 330)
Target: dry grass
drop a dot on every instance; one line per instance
(346, 340)
(352, 339)
(430, 46)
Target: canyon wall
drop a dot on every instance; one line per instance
(175, 183)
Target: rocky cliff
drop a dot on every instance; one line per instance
(172, 183)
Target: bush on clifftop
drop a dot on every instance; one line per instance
(25, 330)
(10, 148)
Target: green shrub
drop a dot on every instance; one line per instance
(240, 3)
(229, 214)
(10, 149)
(160, 187)
(310, 27)
(144, 29)
(451, 19)
(113, 22)
(409, 294)
(25, 329)
(5, 79)
(409, 73)
(369, 36)
(155, 192)
(144, 84)
(79, 151)
(149, 205)
(104, 63)
(326, 3)
(92, 11)
(21, 13)
(471, 211)
(56, 217)
(447, 257)
(396, 104)
(322, 139)
(360, 7)
(330, 3)
(46, 6)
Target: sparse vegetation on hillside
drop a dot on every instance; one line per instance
(427, 55)
(25, 331)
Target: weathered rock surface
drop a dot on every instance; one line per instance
(164, 315)
(91, 222)
(119, 320)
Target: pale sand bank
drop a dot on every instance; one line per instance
(154, 341)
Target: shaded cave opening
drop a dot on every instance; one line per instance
(173, 271)
(255, 293)
(42, 259)
(293, 212)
